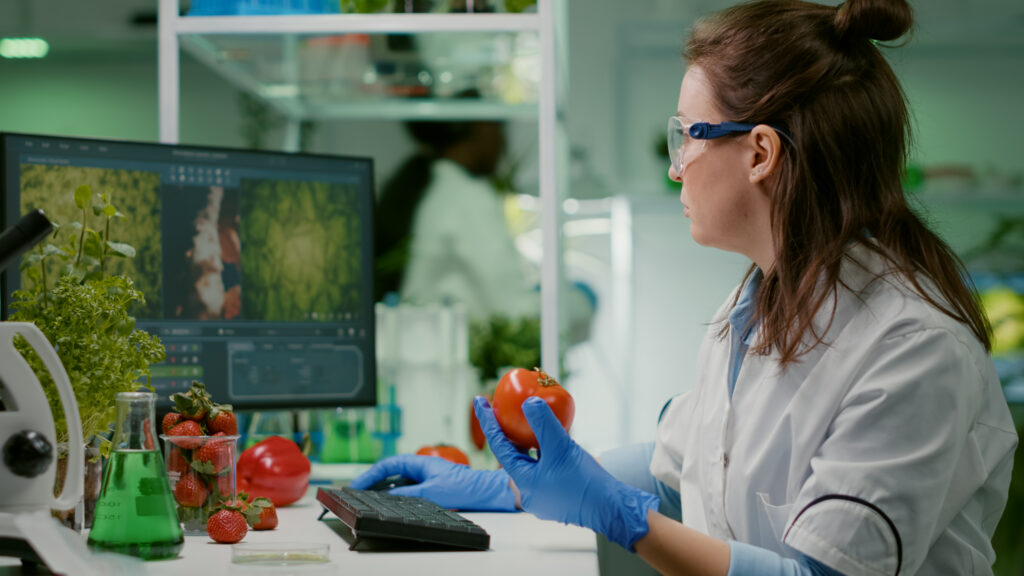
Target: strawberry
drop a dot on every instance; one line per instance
(227, 526)
(170, 420)
(267, 519)
(214, 455)
(187, 428)
(194, 404)
(225, 486)
(176, 462)
(259, 513)
(190, 492)
(148, 443)
(222, 419)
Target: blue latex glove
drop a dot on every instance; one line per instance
(444, 483)
(565, 483)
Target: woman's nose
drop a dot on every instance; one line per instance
(673, 175)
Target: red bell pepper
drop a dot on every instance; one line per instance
(274, 468)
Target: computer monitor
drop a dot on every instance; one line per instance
(257, 267)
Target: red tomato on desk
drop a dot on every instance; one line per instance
(449, 453)
(518, 385)
(479, 440)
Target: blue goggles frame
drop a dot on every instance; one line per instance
(709, 131)
(678, 131)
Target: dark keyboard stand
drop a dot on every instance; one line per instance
(400, 521)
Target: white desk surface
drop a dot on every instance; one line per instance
(520, 544)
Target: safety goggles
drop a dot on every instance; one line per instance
(680, 135)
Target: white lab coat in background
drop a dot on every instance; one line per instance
(888, 451)
(461, 250)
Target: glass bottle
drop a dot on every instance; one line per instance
(135, 513)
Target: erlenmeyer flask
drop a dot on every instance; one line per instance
(135, 514)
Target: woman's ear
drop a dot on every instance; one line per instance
(767, 148)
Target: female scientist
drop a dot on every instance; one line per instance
(846, 417)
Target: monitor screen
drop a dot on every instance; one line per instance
(257, 267)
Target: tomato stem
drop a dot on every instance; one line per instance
(543, 379)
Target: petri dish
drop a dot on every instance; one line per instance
(281, 553)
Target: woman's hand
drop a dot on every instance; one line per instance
(444, 483)
(565, 483)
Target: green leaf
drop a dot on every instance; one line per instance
(203, 467)
(109, 211)
(88, 262)
(51, 250)
(121, 249)
(82, 196)
(71, 271)
(97, 210)
(93, 244)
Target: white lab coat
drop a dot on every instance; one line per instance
(888, 451)
(461, 250)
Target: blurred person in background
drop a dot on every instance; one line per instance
(441, 229)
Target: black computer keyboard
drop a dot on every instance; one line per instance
(372, 515)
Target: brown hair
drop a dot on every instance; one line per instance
(815, 72)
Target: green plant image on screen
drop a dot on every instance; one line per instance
(300, 250)
(135, 193)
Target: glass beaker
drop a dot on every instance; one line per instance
(135, 513)
(201, 474)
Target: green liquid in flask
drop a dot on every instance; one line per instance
(135, 513)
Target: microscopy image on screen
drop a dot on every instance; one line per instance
(301, 256)
(202, 253)
(135, 193)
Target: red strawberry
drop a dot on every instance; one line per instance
(217, 454)
(259, 512)
(190, 491)
(187, 428)
(268, 518)
(147, 428)
(227, 526)
(225, 486)
(222, 419)
(176, 462)
(170, 420)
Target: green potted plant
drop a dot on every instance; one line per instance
(499, 343)
(85, 311)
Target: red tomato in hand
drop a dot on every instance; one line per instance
(518, 385)
(449, 453)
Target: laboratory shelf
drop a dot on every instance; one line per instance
(355, 23)
(337, 76)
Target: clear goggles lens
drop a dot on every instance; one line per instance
(677, 141)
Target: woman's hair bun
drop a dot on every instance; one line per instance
(882, 20)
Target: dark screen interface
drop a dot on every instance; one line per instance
(256, 267)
